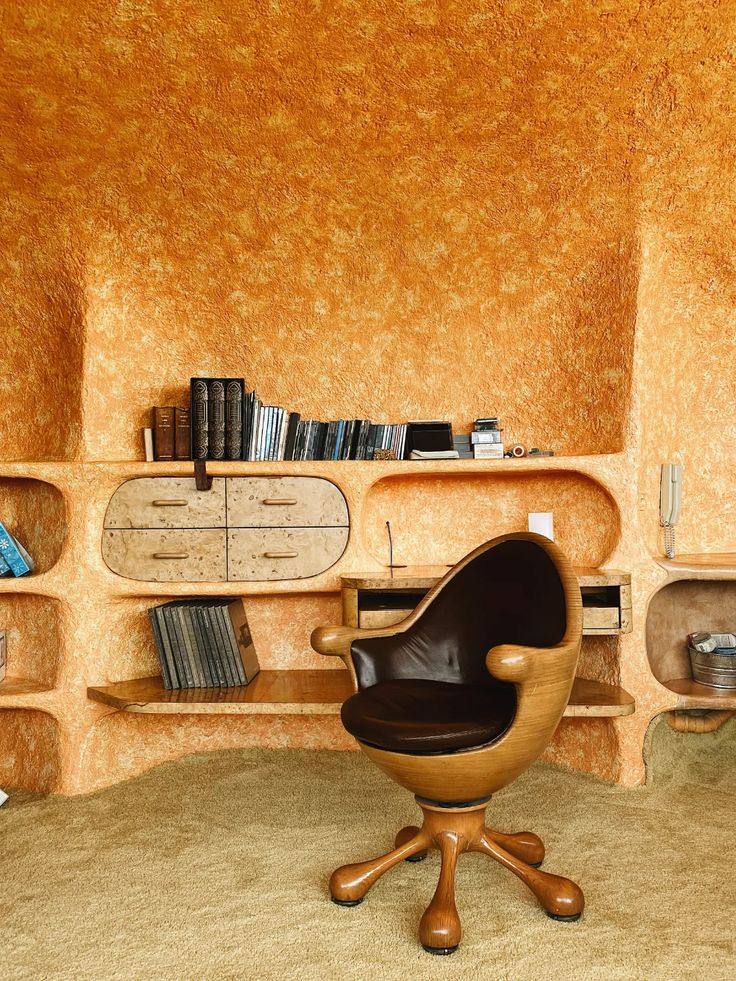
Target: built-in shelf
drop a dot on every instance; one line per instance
(697, 696)
(700, 565)
(313, 692)
(12, 687)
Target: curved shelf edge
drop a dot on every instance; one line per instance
(12, 687)
(693, 695)
(306, 692)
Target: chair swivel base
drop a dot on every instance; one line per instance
(454, 831)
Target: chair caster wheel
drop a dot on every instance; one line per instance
(440, 951)
(346, 902)
(537, 865)
(417, 858)
(564, 919)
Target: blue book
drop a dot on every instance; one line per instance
(14, 554)
(5, 569)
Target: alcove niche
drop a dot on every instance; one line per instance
(438, 518)
(34, 632)
(30, 756)
(34, 511)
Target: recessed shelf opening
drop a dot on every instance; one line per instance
(35, 513)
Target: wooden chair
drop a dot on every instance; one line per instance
(454, 703)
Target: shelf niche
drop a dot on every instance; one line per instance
(438, 518)
(35, 641)
(30, 750)
(680, 608)
(35, 512)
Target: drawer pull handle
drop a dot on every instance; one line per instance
(171, 555)
(169, 504)
(279, 500)
(280, 555)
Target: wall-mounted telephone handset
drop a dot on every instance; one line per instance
(670, 501)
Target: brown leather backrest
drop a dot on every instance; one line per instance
(511, 593)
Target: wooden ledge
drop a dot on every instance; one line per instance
(313, 692)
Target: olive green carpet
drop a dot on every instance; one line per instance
(216, 867)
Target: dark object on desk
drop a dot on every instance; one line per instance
(488, 424)
(428, 437)
(458, 700)
(163, 432)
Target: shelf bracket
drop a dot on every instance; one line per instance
(202, 479)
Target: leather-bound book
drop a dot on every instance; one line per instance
(216, 420)
(234, 388)
(182, 436)
(199, 418)
(163, 432)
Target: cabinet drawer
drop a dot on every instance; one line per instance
(273, 502)
(190, 555)
(260, 555)
(166, 502)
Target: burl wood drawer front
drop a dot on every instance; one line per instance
(166, 502)
(273, 502)
(174, 555)
(262, 554)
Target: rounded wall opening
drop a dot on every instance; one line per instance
(30, 750)
(34, 512)
(34, 636)
(436, 519)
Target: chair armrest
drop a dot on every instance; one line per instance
(521, 665)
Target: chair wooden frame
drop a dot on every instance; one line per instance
(543, 678)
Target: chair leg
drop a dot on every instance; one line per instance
(524, 845)
(406, 834)
(561, 898)
(439, 929)
(350, 883)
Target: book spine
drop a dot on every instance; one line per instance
(163, 432)
(199, 418)
(291, 433)
(216, 419)
(5, 569)
(217, 621)
(181, 664)
(148, 444)
(254, 424)
(200, 661)
(231, 642)
(158, 640)
(177, 680)
(236, 622)
(209, 654)
(11, 553)
(223, 677)
(284, 432)
(182, 434)
(234, 418)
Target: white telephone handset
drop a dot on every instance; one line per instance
(670, 501)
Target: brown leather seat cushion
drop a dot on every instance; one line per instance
(412, 715)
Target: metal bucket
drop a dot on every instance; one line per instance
(715, 670)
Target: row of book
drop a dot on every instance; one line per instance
(14, 560)
(203, 643)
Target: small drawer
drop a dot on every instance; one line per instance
(190, 555)
(601, 618)
(263, 555)
(278, 502)
(166, 502)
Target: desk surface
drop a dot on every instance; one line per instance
(426, 576)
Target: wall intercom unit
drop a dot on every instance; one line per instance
(670, 501)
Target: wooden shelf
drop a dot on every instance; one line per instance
(702, 565)
(306, 693)
(697, 696)
(12, 687)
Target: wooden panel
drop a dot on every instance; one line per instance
(269, 554)
(306, 693)
(273, 502)
(382, 618)
(426, 576)
(600, 618)
(166, 502)
(694, 695)
(170, 555)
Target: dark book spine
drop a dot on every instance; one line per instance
(190, 644)
(291, 435)
(238, 630)
(175, 678)
(182, 436)
(216, 420)
(215, 617)
(209, 647)
(163, 432)
(183, 669)
(165, 676)
(231, 644)
(199, 418)
(234, 419)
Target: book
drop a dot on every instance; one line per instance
(148, 444)
(238, 635)
(163, 432)
(181, 660)
(488, 451)
(216, 419)
(217, 633)
(486, 436)
(5, 569)
(291, 434)
(182, 434)
(191, 613)
(234, 388)
(14, 554)
(160, 651)
(190, 647)
(168, 650)
(3, 655)
(199, 417)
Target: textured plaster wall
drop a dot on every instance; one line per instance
(408, 210)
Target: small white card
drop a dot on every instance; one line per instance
(542, 523)
(3, 797)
